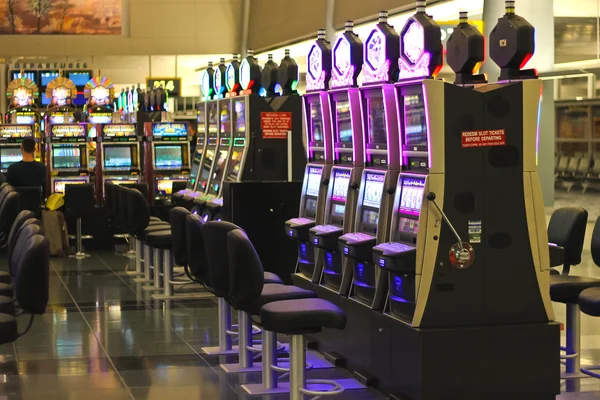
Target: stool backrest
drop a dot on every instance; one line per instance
(142, 187)
(595, 244)
(215, 245)
(9, 209)
(246, 274)
(138, 211)
(122, 206)
(567, 229)
(194, 229)
(32, 275)
(177, 217)
(30, 198)
(27, 230)
(80, 200)
(109, 198)
(4, 190)
(19, 221)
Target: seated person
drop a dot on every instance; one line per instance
(27, 172)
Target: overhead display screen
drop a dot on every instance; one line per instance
(341, 181)
(415, 122)
(314, 181)
(373, 190)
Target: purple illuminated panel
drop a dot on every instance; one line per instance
(342, 73)
(341, 181)
(315, 78)
(376, 67)
(412, 196)
(414, 50)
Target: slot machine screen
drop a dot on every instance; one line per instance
(213, 124)
(373, 190)
(408, 226)
(201, 114)
(59, 186)
(316, 120)
(234, 166)
(314, 181)
(337, 210)
(9, 156)
(25, 119)
(193, 175)
(412, 195)
(218, 173)
(225, 118)
(341, 181)
(168, 156)
(240, 116)
(66, 157)
(117, 157)
(415, 122)
(164, 187)
(376, 121)
(206, 166)
(344, 122)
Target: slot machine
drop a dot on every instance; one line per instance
(166, 158)
(119, 153)
(382, 165)
(98, 110)
(67, 156)
(380, 51)
(250, 156)
(22, 119)
(319, 156)
(61, 93)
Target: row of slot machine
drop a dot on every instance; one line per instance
(389, 159)
(249, 129)
(97, 144)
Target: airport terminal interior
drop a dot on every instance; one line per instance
(345, 199)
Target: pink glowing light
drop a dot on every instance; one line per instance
(343, 70)
(342, 80)
(315, 84)
(413, 42)
(379, 75)
(419, 69)
(376, 67)
(315, 79)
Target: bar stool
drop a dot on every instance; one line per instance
(233, 287)
(30, 198)
(80, 202)
(199, 268)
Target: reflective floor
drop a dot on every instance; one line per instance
(103, 337)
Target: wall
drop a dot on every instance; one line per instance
(150, 27)
(355, 9)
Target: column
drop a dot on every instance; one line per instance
(329, 20)
(540, 15)
(3, 86)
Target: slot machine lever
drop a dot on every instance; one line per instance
(461, 254)
(431, 197)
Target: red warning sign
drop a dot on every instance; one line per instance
(483, 138)
(275, 125)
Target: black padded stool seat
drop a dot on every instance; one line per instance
(272, 278)
(7, 305)
(159, 239)
(566, 288)
(6, 290)
(152, 229)
(4, 278)
(299, 317)
(275, 292)
(589, 301)
(155, 219)
(8, 328)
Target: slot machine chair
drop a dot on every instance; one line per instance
(231, 284)
(31, 198)
(281, 309)
(566, 289)
(111, 210)
(566, 230)
(80, 202)
(24, 218)
(589, 299)
(9, 209)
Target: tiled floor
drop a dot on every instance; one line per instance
(104, 338)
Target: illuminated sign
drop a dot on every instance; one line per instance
(68, 130)
(169, 129)
(342, 73)
(315, 79)
(170, 85)
(118, 130)
(245, 80)
(16, 131)
(376, 67)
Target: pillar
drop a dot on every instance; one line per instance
(245, 28)
(540, 15)
(329, 20)
(3, 86)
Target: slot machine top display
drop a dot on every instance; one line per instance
(119, 133)
(169, 131)
(15, 133)
(69, 133)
